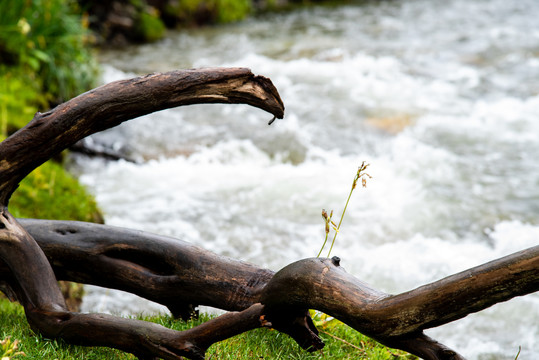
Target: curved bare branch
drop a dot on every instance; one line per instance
(109, 105)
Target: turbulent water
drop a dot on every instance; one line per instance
(440, 97)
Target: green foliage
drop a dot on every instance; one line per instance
(47, 38)
(342, 342)
(231, 10)
(49, 192)
(209, 11)
(19, 99)
(149, 26)
(44, 59)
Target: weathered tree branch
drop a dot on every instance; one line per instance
(399, 320)
(180, 275)
(109, 105)
(168, 271)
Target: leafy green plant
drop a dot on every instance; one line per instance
(360, 174)
(48, 38)
(44, 59)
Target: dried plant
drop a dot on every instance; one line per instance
(8, 349)
(360, 174)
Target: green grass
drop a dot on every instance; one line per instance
(256, 344)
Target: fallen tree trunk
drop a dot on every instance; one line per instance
(182, 276)
(168, 271)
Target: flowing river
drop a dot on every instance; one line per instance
(441, 98)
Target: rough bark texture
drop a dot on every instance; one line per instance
(168, 271)
(35, 253)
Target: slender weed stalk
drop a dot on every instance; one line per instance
(518, 354)
(360, 174)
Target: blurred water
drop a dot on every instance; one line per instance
(440, 97)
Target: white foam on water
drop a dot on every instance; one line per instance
(455, 186)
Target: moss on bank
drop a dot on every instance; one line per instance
(121, 22)
(49, 192)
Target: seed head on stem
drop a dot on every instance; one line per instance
(360, 174)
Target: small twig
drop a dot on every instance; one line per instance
(519, 350)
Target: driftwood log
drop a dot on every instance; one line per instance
(34, 254)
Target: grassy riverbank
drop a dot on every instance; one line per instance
(341, 343)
